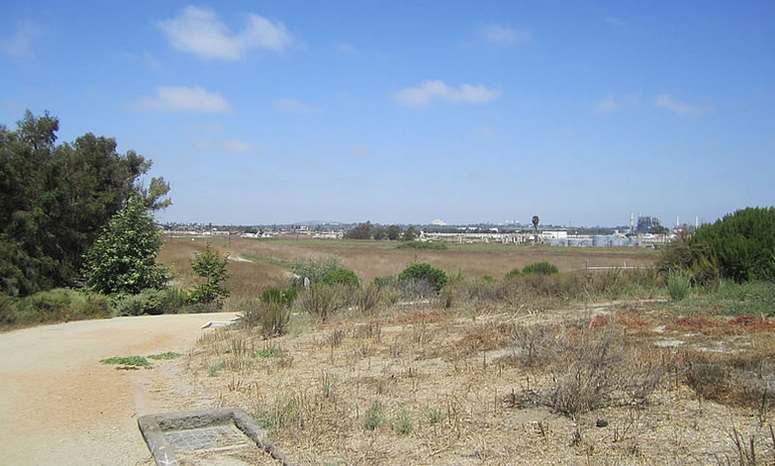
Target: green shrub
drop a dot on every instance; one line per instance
(210, 266)
(678, 284)
(274, 318)
(7, 310)
(172, 300)
(279, 296)
(403, 425)
(270, 315)
(695, 258)
(374, 417)
(741, 243)
(313, 269)
(368, 298)
(123, 257)
(150, 301)
(61, 304)
(513, 273)
(320, 300)
(540, 268)
(340, 276)
(421, 271)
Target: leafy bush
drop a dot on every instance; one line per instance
(61, 304)
(340, 276)
(123, 258)
(313, 269)
(678, 284)
(279, 296)
(7, 310)
(741, 243)
(172, 300)
(540, 268)
(211, 267)
(695, 258)
(421, 271)
(513, 273)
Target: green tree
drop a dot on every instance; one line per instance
(56, 198)
(378, 233)
(362, 231)
(210, 266)
(123, 258)
(410, 234)
(393, 232)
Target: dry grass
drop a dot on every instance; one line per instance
(370, 259)
(442, 386)
(492, 372)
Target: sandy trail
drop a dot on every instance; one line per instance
(59, 405)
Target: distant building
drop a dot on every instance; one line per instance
(554, 235)
(649, 225)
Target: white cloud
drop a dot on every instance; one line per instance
(614, 21)
(346, 48)
(608, 105)
(505, 36)
(667, 101)
(293, 106)
(20, 43)
(183, 98)
(201, 32)
(425, 93)
(237, 146)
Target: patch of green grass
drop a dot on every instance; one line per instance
(435, 415)
(679, 284)
(403, 424)
(165, 356)
(130, 361)
(374, 417)
(267, 351)
(754, 298)
(214, 370)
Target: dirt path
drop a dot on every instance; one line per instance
(59, 405)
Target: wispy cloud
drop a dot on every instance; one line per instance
(504, 36)
(608, 104)
(428, 91)
(614, 21)
(199, 31)
(230, 146)
(346, 48)
(184, 98)
(668, 102)
(293, 106)
(237, 146)
(19, 45)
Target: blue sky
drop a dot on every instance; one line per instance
(261, 112)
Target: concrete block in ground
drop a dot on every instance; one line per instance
(186, 431)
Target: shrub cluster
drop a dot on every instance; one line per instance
(423, 272)
(151, 301)
(59, 304)
(740, 246)
(540, 268)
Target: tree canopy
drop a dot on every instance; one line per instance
(56, 198)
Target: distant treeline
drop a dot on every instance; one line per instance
(369, 230)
